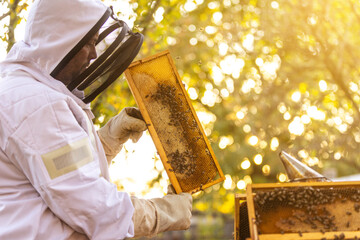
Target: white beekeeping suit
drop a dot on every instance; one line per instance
(54, 181)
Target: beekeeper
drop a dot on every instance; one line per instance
(54, 181)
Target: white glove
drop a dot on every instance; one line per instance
(127, 124)
(169, 213)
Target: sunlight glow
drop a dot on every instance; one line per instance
(323, 85)
(210, 29)
(240, 115)
(274, 143)
(354, 87)
(230, 84)
(311, 161)
(228, 182)
(209, 98)
(232, 65)
(192, 27)
(274, 4)
(259, 62)
(190, 6)
(193, 41)
(217, 75)
(125, 10)
(210, 43)
(312, 20)
(101, 118)
(248, 42)
(342, 127)
(159, 14)
(305, 119)
(253, 140)
(192, 93)
(247, 128)
(225, 141)
(159, 165)
(258, 159)
(337, 156)
(125, 169)
(282, 108)
(248, 85)
(269, 68)
(337, 120)
(263, 144)
(287, 116)
(296, 96)
(241, 185)
(303, 154)
(247, 179)
(282, 177)
(216, 18)
(246, 164)
(213, 5)
(316, 114)
(296, 127)
(224, 93)
(171, 41)
(239, 49)
(266, 170)
(206, 117)
(223, 49)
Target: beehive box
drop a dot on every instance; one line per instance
(241, 218)
(309, 210)
(173, 124)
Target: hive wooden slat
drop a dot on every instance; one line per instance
(173, 124)
(302, 210)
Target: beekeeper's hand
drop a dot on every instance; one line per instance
(128, 124)
(169, 213)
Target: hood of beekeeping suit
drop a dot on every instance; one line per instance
(53, 28)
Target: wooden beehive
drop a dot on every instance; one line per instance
(241, 219)
(173, 124)
(301, 210)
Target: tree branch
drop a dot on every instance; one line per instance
(337, 75)
(354, 10)
(5, 15)
(149, 17)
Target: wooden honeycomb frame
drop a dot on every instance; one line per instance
(173, 124)
(337, 208)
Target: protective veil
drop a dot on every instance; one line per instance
(117, 46)
(53, 169)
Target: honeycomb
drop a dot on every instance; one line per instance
(308, 209)
(301, 210)
(172, 122)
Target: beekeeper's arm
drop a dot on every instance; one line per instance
(53, 148)
(128, 124)
(172, 212)
(61, 162)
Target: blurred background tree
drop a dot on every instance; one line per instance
(11, 15)
(263, 76)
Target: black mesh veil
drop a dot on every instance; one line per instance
(116, 47)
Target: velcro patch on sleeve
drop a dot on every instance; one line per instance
(68, 158)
